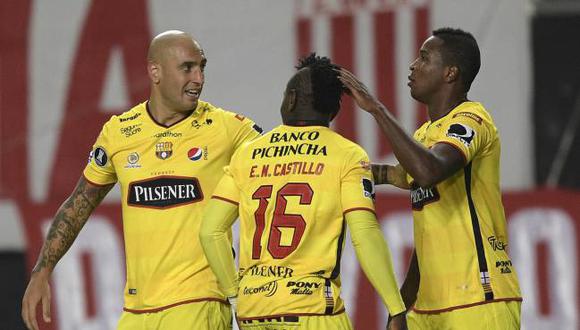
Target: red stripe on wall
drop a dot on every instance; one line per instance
(343, 47)
(422, 31)
(88, 285)
(385, 41)
(14, 95)
(542, 269)
(303, 37)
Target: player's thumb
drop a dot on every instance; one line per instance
(46, 305)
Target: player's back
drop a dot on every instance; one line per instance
(292, 226)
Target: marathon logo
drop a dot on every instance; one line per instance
(164, 192)
(422, 196)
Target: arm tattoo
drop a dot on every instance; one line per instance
(380, 173)
(68, 222)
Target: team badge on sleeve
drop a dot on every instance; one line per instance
(368, 188)
(100, 156)
(461, 132)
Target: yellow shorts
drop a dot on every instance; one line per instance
(498, 315)
(324, 322)
(203, 315)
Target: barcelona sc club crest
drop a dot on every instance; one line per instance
(164, 150)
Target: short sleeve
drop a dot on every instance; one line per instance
(227, 190)
(357, 186)
(241, 129)
(100, 169)
(467, 132)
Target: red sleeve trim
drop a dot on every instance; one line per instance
(360, 209)
(456, 148)
(225, 200)
(153, 310)
(437, 311)
(97, 184)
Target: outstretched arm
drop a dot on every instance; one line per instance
(390, 174)
(427, 166)
(68, 222)
(375, 259)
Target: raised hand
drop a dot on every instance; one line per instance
(359, 92)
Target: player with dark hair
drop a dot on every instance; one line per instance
(460, 276)
(167, 154)
(295, 190)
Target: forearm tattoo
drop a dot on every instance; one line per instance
(380, 173)
(68, 222)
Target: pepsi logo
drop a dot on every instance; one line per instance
(195, 153)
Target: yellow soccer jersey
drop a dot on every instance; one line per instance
(459, 224)
(293, 186)
(166, 175)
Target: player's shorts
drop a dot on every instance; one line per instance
(324, 322)
(203, 315)
(499, 315)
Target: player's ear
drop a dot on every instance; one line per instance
(291, 95)
(452, 74)
(153, 70)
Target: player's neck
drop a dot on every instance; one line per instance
(306, 122)
(163, 115)
(440, 108)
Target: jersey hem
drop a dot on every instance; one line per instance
(225, 200)
(443, 310)
(359, 209)
(288, 314)
(159, 309)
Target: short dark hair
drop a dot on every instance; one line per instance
(327, 90)
(460, 49)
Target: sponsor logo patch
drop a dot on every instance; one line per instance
(130, 130)
(195, 153)
(422, 196)
(133, 160)
(164, 150)
(469, 115)
(199, 124)
(135, 116)
(368, 188)
(268, 289)
(270, 271)
(100, 156)
(496, 243)
(461, 132)
(257, 128)
(164, 192)
(302, 287)
(504, 266)
(168, 135)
